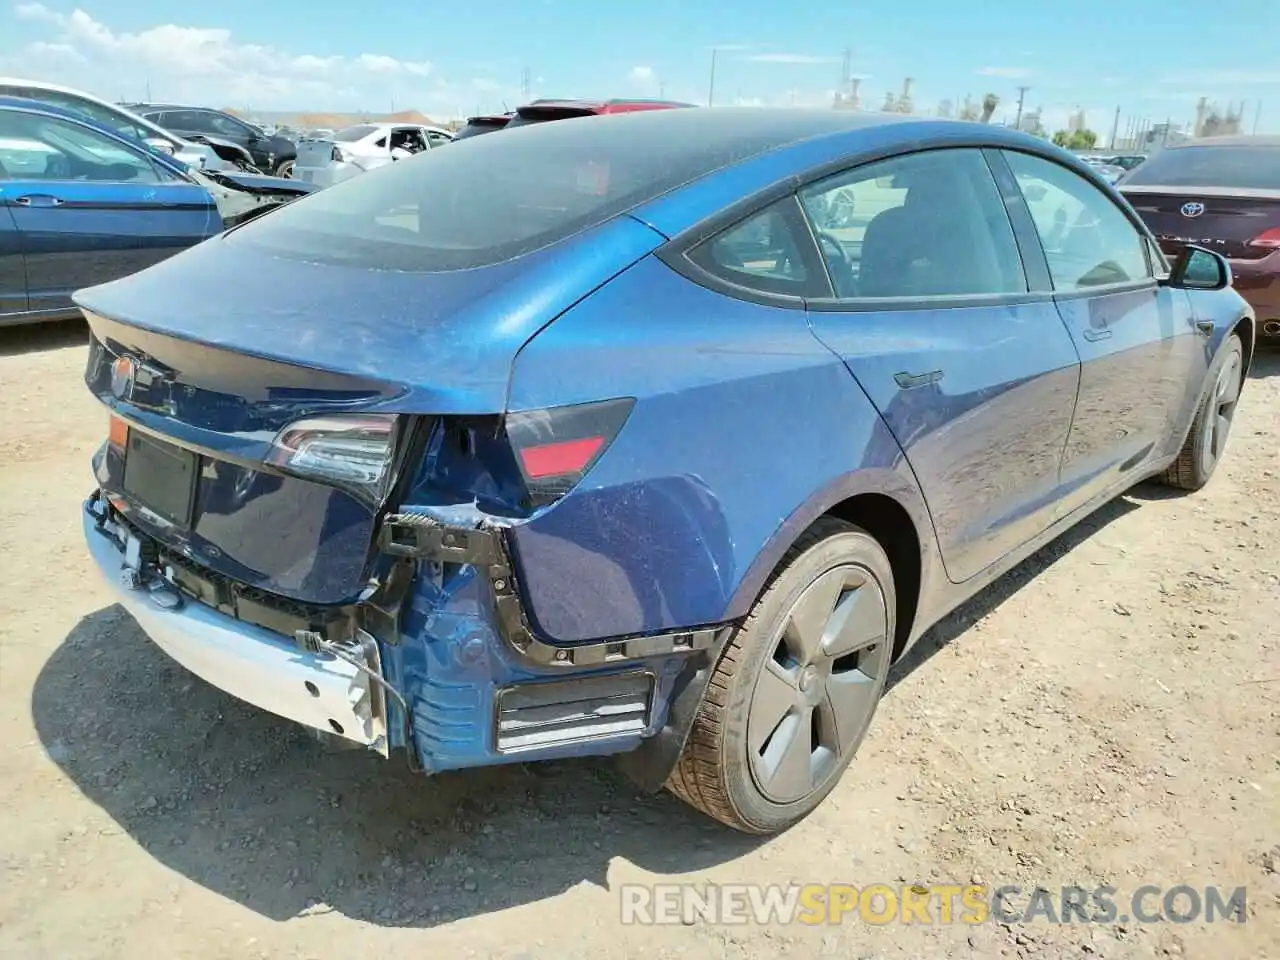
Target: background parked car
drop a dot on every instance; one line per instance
(542, 110)
(475, 126)
(270, 154)
(205, 156)
(82, 204)
(1221, 193)
(359, 148)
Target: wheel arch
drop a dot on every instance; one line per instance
(886, 504)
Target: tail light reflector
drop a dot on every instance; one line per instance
(1267, 240)
(117, 432)
(556, 447)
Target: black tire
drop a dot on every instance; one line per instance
(1207, 438)
(716, 772)
(284, 168)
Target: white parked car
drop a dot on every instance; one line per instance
(199, 155)
(362, 147)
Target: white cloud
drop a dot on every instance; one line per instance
(1005, 73)
(790, 58)
(210, 65)
(643, 79)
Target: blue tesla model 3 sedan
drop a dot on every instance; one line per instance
(660, 435)
(81, 203)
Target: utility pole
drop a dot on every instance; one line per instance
(149, 100)
(711, 89)
(525, 83)
(1017, 120)
(1257, 115)
(1115, 128)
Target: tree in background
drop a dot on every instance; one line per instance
(989, 104)
(1076, 139)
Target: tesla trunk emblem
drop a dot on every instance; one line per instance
(123, 373)
(1193, 209)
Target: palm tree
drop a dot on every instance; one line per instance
(989, 104)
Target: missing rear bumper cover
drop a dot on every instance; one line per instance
(424, 538)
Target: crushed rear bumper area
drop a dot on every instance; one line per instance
(338, 693)
(419, 668)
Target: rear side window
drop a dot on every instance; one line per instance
(1233, 167)
(490, 199)
(1088, 241)
(764, 252)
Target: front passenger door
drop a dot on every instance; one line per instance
(973, 372)
(1143, 359)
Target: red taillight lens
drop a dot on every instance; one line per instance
(557, 446)
(1268, 239)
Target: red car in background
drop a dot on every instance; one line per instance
(540, 111)
(1221, 193)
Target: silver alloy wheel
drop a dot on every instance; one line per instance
(1222, 410)
(816, 693)
(285, 169)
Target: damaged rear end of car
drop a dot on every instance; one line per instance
(312, 474)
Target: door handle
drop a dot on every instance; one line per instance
(908, 380)
(1205, 327)
(38, 200)
(1094, 334)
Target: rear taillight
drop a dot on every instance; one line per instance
(1267, 240)
(351, 451)
(556, 447)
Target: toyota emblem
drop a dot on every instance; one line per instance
(123, 373)
(1193, 209)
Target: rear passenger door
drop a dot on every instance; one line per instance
(970, 366)
(1143, 357)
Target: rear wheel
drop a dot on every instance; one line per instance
(795, 690)
(284, 168)
(1207, 439)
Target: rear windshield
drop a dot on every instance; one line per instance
(477, 127)
(352, 134)
(489, 199)
(541, 115)
(1234, 167)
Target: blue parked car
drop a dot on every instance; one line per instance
(80, 204)
(620, 436)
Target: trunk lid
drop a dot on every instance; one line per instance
(314, 153)
(225, 347)
(1220, 219)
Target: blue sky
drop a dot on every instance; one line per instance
(1151, 59)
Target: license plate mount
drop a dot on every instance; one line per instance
(161, 477)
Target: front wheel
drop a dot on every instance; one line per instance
(284, 168)
(1207, 439)
(794, 692)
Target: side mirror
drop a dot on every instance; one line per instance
(160, 146)
(1199, 269)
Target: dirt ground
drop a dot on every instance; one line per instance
(1106, 714)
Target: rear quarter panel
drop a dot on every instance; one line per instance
(745, 429)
